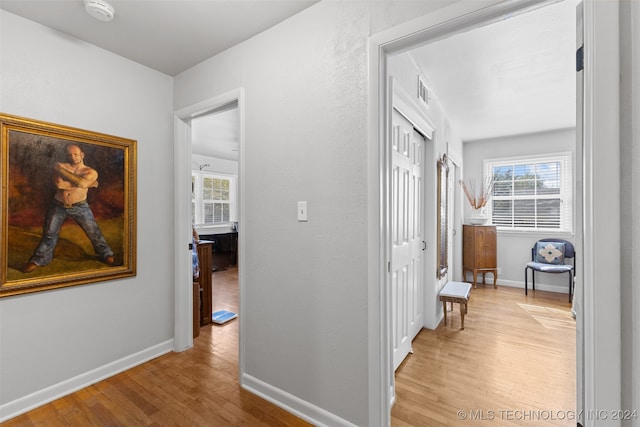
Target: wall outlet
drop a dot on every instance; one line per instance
(499, 270)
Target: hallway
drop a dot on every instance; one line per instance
(515, 360)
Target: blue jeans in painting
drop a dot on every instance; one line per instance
(56, 215)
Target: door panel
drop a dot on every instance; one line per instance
(407, 259)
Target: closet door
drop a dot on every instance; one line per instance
(407, 258)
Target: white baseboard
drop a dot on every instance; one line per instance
(56, 391)
(439, 319)
(539, 286)
(290, 403)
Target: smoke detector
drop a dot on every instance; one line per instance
(99, 9)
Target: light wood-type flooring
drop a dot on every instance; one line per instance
(515, 355)
(512, 365)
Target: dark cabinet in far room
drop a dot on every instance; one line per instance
(224, 249)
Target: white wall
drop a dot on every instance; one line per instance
(57, 340)
(514, 249)
(306, 288)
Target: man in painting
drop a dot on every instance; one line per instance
(72, 181)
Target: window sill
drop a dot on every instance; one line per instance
(553, 233)
(213, 229)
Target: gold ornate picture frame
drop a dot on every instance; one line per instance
(68, 206)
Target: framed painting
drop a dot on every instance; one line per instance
(68, 206)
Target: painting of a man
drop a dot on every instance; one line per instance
(62, 224)
(72, 180)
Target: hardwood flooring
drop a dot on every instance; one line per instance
(198, 387)
(512, 365)
(516, 353)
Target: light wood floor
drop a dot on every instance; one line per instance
(198, 387)
(513, 364)
(515, 354)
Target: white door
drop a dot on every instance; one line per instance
(407, 259)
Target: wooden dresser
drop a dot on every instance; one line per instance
(479, 251)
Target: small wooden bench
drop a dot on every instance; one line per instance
(455, 292)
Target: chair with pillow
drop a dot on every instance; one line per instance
(550, 256)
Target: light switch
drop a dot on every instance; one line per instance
(302, 211)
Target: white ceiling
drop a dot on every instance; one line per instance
(167, 35)
(217, 134)
(511, 77)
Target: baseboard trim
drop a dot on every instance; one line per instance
(539, 286)
(439, 319)
(301, 408)
(24, 404)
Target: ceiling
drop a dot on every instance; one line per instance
(167, 35)
(217, 134)
(511, 77)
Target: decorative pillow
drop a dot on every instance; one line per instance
(550, 252)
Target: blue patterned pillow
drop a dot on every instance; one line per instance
(550, 252)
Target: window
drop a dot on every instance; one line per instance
(212, 198)
(532, 194)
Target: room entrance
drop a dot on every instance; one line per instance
(208, 154)
(214, 213)
(401, 41)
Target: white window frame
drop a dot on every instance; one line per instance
(197, 198)
(566, 190)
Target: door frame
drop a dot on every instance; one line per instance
(183, 338)
(601, 371)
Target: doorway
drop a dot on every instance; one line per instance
(464, 17)
(507, 76)
(219, 162)
(214, 212)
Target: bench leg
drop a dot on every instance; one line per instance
(444, 305)
(463, 310)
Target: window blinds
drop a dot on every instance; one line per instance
(532, 193)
